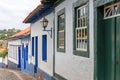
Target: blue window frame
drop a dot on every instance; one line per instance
(44, 47)
(32, 46)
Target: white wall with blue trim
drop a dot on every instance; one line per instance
(44, 64)
(25, 54)
(13, 53)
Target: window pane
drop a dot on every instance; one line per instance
(78, 13)
(61, 39)
(61, 22)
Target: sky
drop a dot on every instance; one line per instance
(13, 12)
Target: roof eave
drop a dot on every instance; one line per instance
(32, 13)
(26, 20)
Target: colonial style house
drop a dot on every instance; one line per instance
(66, 51)
(85, 35)
(42, 40)
(18, 50)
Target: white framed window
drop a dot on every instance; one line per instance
(81, 29)
(13, 51)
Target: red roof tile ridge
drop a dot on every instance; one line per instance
(24, 32)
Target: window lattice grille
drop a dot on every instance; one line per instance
(81, 29)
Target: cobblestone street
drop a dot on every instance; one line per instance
(6, 74)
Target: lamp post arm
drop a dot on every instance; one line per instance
(50, 30)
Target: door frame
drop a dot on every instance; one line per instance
(96, 41)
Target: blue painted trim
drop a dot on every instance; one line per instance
(36, 53)
(22, 50)
(19, 57)
(47, 9)
(44, 47)
(32, 46)
(27, 52)
(24, 58)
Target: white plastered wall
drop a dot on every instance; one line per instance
(37, 30)
(68, 65)
(13, 43)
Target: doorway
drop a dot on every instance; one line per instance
(108, 47)
(19, 57)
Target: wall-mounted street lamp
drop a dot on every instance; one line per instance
(45, 24)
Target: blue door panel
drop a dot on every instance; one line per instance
(19, 57)
(22, 50)
(36, 54)
(33, 46)
(27, 52)
(44, 47)
(22, 59)
(25, 67)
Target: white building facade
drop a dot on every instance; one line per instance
(42, 42)
(19, 50)
(69, 53)
(13, 53)
(74, 49)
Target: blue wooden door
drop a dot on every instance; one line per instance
(25, 56)
(19, 57)
(36, 53)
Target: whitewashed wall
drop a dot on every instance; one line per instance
(67, 64)
(37, 30)
(11, 52)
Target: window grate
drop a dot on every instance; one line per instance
(81, 29)
(112, 11)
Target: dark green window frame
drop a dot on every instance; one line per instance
(60, 14)
(78, 4)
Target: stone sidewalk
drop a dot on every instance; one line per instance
(7, 74)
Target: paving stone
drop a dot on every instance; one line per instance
(7, 74)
